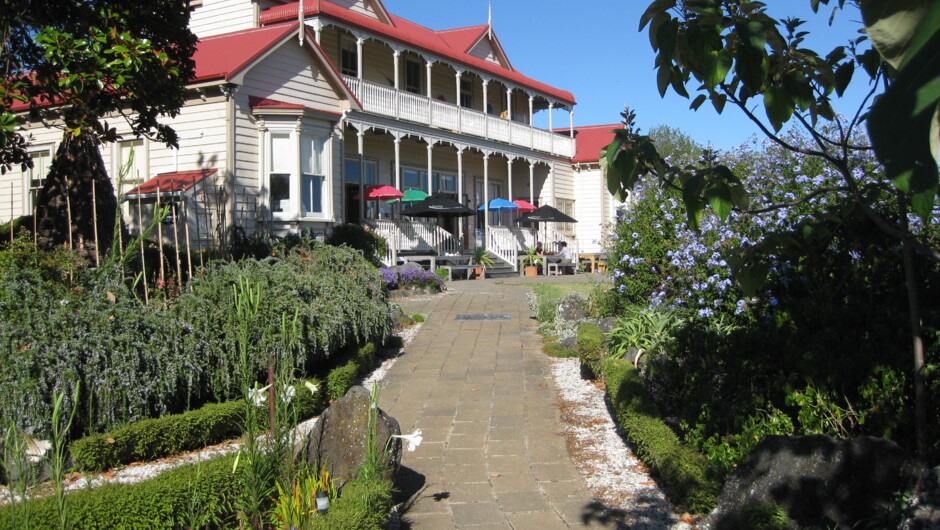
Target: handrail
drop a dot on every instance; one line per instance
(501, 243)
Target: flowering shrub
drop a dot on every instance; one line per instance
(832, 307)
(412, 278)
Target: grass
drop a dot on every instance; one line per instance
(553, 349)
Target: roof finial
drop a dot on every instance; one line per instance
(300, 17)
(489, 19)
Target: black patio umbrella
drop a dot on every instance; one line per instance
(437, 206)
(546, 214)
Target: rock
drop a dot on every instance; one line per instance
(607, 324)
(338, 440)
(571, 308)
(395, 313)
(923, 512)
(569, 342)
(409, 266)
(817, 480)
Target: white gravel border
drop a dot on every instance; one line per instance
(610, 468)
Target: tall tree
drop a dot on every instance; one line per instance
(737, 54)
(74, 64)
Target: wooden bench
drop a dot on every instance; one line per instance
(556, 267)
(452, 268)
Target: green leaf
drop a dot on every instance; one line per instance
(697, 102)
(844, 76)
(691, 196)
(663, 79)
(891, 24)
(777, 105)
(655, 9)
(739, 196)
(718, 196)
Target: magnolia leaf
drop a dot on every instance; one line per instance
(697, 102)
(655, 9)
(663, 79)
(902, 123)
(718, 196)
(891, 24)
(691, 195)
(844, 76)
(778, 106)
(739, 196)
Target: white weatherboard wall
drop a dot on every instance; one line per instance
(592, 209)
(215, 17)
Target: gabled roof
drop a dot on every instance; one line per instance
(415, 36)
(223, 56)
(590, 140)
(466, 39)
(171, 183)
(228, 55)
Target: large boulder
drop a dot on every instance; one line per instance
(338, 440)
(817, 480)
(571, 308)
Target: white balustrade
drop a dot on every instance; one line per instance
(416, 236)
(404, 105)
(525, 237)
(501, 242)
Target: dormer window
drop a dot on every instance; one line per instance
(349, 57)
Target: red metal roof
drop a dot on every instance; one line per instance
(256, 102)
(417, 36)
(223, 56)
(173, 182)
(590, 139)
(461, 39)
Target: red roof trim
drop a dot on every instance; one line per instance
(259, 103)
(223, 56)
(173, 182)
(414, 35)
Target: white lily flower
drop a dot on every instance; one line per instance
(287, 395)
(311, 387)
(258, 396)
(36, 449)
(413, 439)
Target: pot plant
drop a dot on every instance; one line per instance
(481, 258)
(532, 262)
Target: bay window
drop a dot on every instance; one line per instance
(297, 168)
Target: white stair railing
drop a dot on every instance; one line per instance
(525, 237)
(416, 236)
(501, 243)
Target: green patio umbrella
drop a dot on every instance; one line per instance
(411, 197)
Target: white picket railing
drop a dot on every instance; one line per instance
(404, 105)
(501, 242)
(415, 236)
(525, 237)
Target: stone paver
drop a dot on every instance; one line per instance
(494, 453)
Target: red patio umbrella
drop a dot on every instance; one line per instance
(380, 192)
(524, 206)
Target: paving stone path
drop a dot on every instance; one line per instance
(494, 452)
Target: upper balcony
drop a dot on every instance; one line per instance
(404, 105)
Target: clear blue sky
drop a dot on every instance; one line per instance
(592, 48)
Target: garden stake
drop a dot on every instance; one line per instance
(94, 220)
(35, 213)
(162, 282)
(189, 256)
(176, 238)
(271, 408)
(143, 260)
(12, 205)
(198, 231)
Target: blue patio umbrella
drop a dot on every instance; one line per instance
(500, 205)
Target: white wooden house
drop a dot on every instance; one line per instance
(284, 127)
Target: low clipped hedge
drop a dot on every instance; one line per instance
(155, 438)
(684, 470)
(207, 489)
(362, 505)
(590, 349)
(344, 376)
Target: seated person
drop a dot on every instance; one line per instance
(539, 250)
(566, 257)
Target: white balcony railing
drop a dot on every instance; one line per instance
(403, 105)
